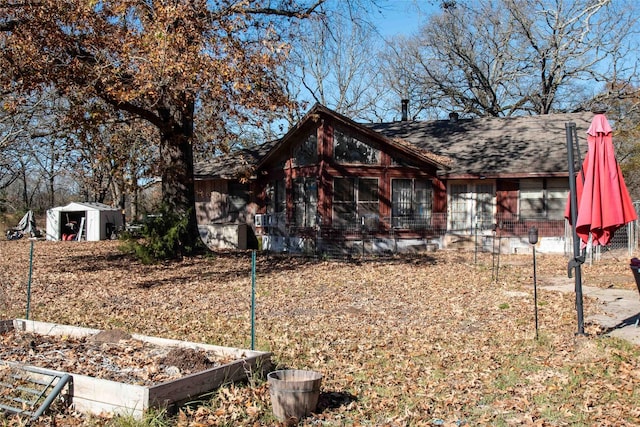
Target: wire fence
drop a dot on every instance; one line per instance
(625, 239)
(375, 237)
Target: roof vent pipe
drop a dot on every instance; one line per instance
(453, 117)
(405, 110)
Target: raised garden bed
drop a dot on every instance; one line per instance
(120, 373)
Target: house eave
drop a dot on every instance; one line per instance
(507, 175)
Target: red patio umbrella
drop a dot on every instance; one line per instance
(603, 201)
(599, 201)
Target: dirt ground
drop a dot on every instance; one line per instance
(112, 355)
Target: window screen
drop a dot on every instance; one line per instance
(347, 149)
(411, 203)
(305, 202)
(353, 199)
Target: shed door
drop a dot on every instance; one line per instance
(53, 224)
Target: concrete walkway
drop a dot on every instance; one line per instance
(621, 309)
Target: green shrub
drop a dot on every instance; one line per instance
(163, 237)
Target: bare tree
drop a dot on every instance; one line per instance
(9, 170)
(334, 65)
(32, 149)
(502, 57)
(623, 110)
(572, 49)
(333, 62)
(399, 80)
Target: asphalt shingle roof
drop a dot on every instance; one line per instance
(495, 146)
(235, 164)
(512, 146)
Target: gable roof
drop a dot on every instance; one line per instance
(523, 146)
(495, 147)
(320, 112)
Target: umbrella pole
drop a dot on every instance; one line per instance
(578, 258)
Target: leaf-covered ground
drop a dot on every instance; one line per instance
(425, 340)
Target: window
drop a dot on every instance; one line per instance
(355, 199)
(305, 202)
(543, 199)
(344, 202)
(307, 152)
(401, 162)
(367, 199)
(238, 197)
(411, 203)
(557, 193)
(347, 149)
(277, 202)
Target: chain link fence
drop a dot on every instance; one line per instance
(626, 239)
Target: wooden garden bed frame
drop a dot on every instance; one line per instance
(94, 395)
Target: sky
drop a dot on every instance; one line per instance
(401, 17)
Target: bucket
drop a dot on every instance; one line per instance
(294, 393)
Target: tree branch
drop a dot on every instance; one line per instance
(281, 12)
(10, 25)
(129, 107)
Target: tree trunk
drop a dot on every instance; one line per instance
(178, 194)
(134, 203)
(25, 197)
(52, 196)
(52, 174)
(117, 192)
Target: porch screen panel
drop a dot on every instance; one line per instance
(401, 202)
(305, 202)
(423, 201)
(412, 202)
(484, 206)
(344, 202)
(459, 214)
(368, 204)
(277, 202)
(354, 199)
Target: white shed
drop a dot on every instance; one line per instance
(83, 221)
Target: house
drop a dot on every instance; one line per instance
(333, 185)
